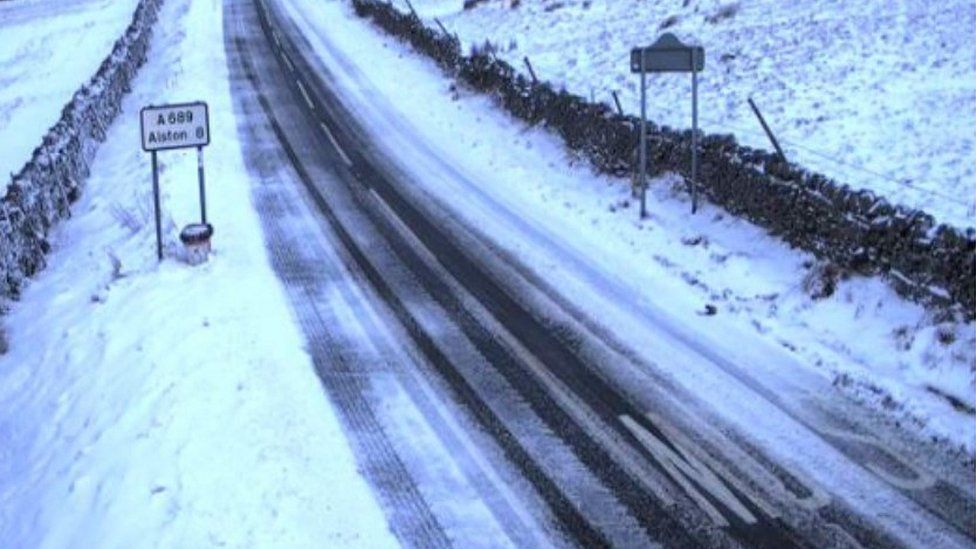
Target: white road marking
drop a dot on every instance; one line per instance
(308, 99)
(287, 61)
(685, 470)
(342, 153)
(734, 454)
(274, 34)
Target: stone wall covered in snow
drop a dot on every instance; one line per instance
(856, 230)
(41, 193)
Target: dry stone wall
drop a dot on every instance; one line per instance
(40, 194)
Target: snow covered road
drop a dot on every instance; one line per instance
(617, 449)
(409, 446)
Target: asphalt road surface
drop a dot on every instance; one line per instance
(483, 407)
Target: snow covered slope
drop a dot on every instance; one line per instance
(146, 404)
(876, 94)
(48, 50)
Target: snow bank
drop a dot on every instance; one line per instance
(857, 230)
(40, 194)
(159, 405)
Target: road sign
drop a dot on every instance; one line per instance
(668, 54)
(175, 126)
(181, 126)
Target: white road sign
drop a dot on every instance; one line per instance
(175, 126)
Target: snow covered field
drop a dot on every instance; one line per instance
(898, 361)
(876, 94)
(47, 51)
(146, 404)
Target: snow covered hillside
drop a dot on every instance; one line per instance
(44, 60)
(146, 404)
(876, 94)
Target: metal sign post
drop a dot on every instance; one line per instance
(179, 126)
(642, 178)
(203, 191)
(159, 229)
(694, 131)
(668, 54)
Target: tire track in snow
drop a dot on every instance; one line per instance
(410, 516)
